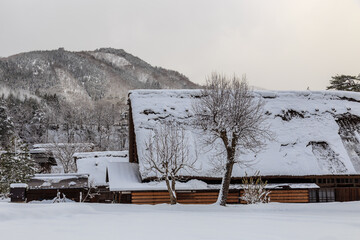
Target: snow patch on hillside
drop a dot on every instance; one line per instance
(112, 59)
(70, 88)
(18, 93)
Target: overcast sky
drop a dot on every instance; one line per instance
(278, 44)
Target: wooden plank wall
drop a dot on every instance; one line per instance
(290, 196)
(150, 197)
(209, 197)
(205, 197)
(43, 194)
(199, 197)
(347, 194)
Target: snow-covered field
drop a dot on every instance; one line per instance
(117, 221)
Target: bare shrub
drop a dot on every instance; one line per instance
(254, 190)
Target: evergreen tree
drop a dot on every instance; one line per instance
(38, 125)
(345, 83)
(16, 165)
(6, 126)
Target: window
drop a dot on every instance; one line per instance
(326, 195)
(313, 195)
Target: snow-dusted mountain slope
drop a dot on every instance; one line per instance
(315, 133)
(104, 73)
(68, 96)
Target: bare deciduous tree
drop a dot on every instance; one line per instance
(167, 153)
(63, 152)
(229, 112)
(106, 115)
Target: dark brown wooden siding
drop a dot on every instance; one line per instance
(101, 197)
(150, 197)
(205, 197)
(47, 194)
(290, 196)
(209, 197)
(18, 194)
(132, 138)
(347, 194)
(198, 197)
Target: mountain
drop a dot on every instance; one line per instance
(105, 73)
(63, 96)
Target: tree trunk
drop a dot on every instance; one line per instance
(225, 184)
(173, 199)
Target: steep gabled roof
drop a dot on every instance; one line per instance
(316, 133)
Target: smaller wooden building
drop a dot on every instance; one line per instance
(18, 192)
(46, 186)
(44, 158)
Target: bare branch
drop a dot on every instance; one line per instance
(229, 111)
(167, 154)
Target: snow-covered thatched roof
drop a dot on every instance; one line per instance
(316, 133)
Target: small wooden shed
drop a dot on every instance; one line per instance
(18, 192)
(46, 186)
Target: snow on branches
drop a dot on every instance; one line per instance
(167, 154)
(16, 165)
(230, 113)
(254, 190)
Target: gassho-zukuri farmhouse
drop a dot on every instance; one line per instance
(314, 155)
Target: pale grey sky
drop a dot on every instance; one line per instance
(278, 44)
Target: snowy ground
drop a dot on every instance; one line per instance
(116, 221)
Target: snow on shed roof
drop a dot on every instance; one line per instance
(123, 176)
(18, 185)
(56, 181)
(306, 125)
(97, 168)
(51, 145)
(118, 154)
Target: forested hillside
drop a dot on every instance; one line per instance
(62, 96)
